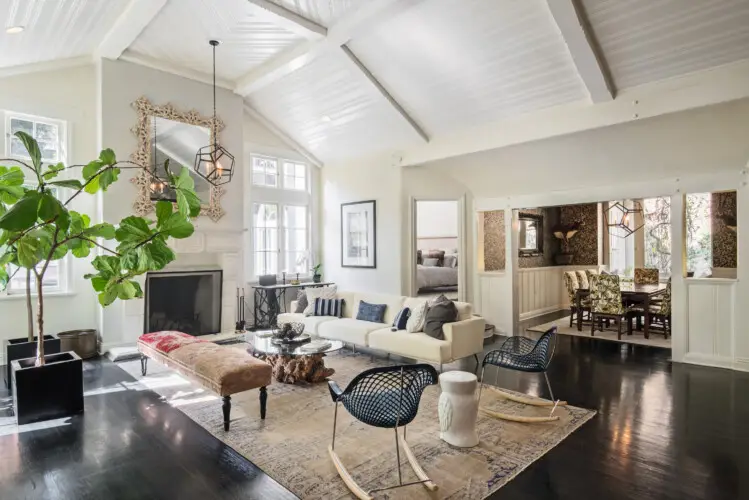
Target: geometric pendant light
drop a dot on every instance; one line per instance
(213, 162)
(618, 217)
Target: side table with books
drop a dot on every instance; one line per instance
(295, 363)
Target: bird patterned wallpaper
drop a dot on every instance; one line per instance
(725, 252)
(494, 240)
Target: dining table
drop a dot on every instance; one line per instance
(632, 293)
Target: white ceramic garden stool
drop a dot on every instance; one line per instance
(458, 409)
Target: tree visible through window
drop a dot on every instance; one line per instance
(699, 234)
(658, 244)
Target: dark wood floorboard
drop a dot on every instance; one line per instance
(663, 431)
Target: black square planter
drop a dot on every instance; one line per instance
(21, 348)
(53, 390)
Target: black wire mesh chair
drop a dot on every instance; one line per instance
(525, 355)
(385, 397)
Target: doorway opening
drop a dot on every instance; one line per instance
(438, 259)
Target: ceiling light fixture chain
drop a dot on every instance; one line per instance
(214, 163)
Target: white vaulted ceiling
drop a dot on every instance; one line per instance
(458, 63)
(179, 34)
(54, 30)
(420, 75)
(649, 40)
(359, 121)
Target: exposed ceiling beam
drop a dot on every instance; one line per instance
(367, 75)
(704, 88)
(365, 17)
(199, 76)
(586, 54)
(137, 15)
(53, 65)
(288, 19)
(285, 138)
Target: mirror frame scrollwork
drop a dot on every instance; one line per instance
(143, 204)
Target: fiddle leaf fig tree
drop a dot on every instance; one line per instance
(36, 227)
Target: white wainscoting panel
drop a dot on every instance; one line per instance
(495, 301)
(539, 291)
(711, 308)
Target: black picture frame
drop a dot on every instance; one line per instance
(373, 265)
(538, 221)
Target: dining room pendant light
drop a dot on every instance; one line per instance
(214, 163)
(618, 218)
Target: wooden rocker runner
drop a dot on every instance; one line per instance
(384, 397)
(523, 354)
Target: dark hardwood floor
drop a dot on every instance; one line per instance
(663, 431)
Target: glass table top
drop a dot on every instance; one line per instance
(263, 345)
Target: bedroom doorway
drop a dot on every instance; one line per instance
(437, 238)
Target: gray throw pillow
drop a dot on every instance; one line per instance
(442, 310)
(301, 301)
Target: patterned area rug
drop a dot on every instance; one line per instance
(563, 327)
(291, 444)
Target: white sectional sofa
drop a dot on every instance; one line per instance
(463, 338)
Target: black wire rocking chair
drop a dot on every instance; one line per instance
(384, 397)
(525, 355)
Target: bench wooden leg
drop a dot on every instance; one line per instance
(227, 410)
(263, 401)
(143, 365)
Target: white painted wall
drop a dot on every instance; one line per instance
(437, 219)
(215, 244)
(374, 180)
(68, 95)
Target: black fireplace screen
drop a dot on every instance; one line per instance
(185, 301)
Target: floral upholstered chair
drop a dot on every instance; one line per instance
(606, 303)
(572, 284)
(660, 312)
(646, 276)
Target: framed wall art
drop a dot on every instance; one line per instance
(359, 234)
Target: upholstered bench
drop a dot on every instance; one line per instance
(223, 370)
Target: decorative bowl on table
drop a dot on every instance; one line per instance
(289, 333)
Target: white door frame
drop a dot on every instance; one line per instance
(462, 248)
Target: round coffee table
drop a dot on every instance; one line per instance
(291, 363)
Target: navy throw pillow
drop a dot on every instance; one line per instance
(371, 312)
(399, 323)
(328, 307)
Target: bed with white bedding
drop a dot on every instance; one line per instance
(435, 277)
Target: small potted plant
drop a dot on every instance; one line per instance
(316, 275)
(564, 233)
(36, 228)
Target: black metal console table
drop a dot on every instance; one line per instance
(270, 301)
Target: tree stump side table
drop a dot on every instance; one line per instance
(458, 409)
(291, 363)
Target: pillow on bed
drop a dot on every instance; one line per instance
(419, 257)
(431, 262)
(450, 261)
(435, 254)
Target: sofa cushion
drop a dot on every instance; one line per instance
(371, 312)
(329, 307)
(418, 317)
(401, 319)
(465, 310)
(323, 292)
(394, 304)
(311, 323)
(441, 311)
(301, 302)
(348, 330)
(412, 345)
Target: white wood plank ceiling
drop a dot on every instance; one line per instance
(350, 77)
(54, 30)
(649, 40)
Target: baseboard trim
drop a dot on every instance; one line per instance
(540, 312)
(714, 361)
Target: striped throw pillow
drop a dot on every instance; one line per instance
(401, 319)
(329, 307)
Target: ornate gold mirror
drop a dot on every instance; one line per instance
(165, 133)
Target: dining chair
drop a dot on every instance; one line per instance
(660, 312)
(385, 397)
(606, 303)
(572, 284)
(646, 276)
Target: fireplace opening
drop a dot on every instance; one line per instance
(185, 301)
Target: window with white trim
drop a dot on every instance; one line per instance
(264, 171)
(52, 136)
(281, 211)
